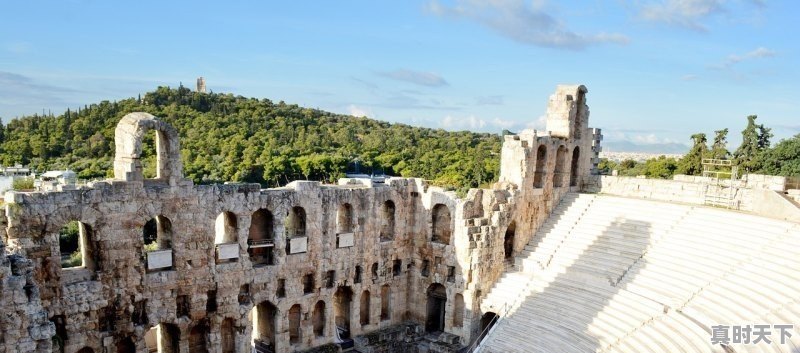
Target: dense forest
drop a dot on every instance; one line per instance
(232, 138)
(754, 155)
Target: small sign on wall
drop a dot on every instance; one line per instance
(228, 251)
(345, 240)
(298, 245)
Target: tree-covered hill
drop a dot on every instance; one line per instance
(233, 138)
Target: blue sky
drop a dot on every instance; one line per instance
(657, 70)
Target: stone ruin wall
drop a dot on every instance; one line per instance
(109, 305)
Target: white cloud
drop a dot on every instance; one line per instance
(758, 53)
(524, 22)
(355, 110)
(474, 123)
(421, 78)
(683, 13)
(689, 77)
(688, 13)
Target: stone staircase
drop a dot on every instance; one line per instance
(611, 274)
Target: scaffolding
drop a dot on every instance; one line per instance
(722, 183)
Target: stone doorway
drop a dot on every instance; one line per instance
(508, 243)
(342, 302)
(437, 299)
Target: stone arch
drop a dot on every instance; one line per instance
(342, 303)
(126, 345)
(458, 310)
(85, 350)
(508, 241)
(225, 228)
(263, 317)
(364, 308)
(295, 334)
(296, 222)
(261, 238)
(344, 219)
(198, 338)
(437, 299)
(128, 141)
(358, 274)
(386, 302)
(387, 220)
(541, 165)
(487, 321)
(580, 113)
(318, 319)
(561, 165)
(163, 338)
(75, 245)
(441, 224)
(228, 336)
(574, 168)
(157, 233)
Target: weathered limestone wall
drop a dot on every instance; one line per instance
(760, 194)
(442, 246)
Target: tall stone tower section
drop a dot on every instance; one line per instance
(201, 84)
(567, 112)
(559, 159)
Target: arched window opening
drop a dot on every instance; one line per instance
(260, 240)
(75, 246)
(387, 221)
(386, 302)
(560, 173)
(226, 238)
(437, 299)
(441, 224)
(295, 224)
(508, 242)
(294, 324)
(126, 345)
(163, 338)
(487, 321)
(344, 219)
(228, 333)
(318, 319)
(357, 275)
(263, 317)
(579, 112)
(157, 234)
(364, 308)
(574, 168)
(198, 338)
(226, 228)
(541, 163)
(342, 301)
(458, 311)
(374, 272)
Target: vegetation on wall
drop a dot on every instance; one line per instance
(233, 138)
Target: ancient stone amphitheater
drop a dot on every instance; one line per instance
(553, 258)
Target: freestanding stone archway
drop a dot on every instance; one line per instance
(128, 140)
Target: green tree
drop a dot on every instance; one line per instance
(719, 149)
(692, 162)
(755, 140)
(784, 158)
(661, 167)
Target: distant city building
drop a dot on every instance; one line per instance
(56, 180)
(201, 84)
(636, 156)
(9, 174)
